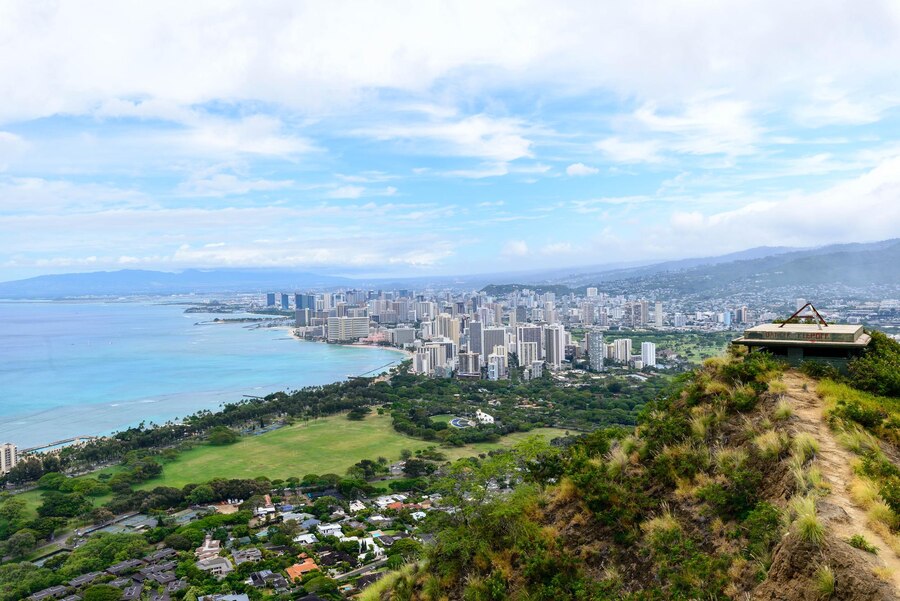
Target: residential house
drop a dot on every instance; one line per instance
(217, 566)
(297, 571)
(210, 548)
(246, 556)
(306, 539)
(330, 529)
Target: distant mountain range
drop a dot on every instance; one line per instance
(854, 265)
(132, 282)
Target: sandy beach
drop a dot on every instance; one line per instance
(406, 353)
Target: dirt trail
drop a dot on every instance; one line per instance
(835, 461)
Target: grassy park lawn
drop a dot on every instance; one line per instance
(327, 445)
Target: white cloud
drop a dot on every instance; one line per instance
(621, 151)
(704, 126)
(321, 56)
(346, 192)
(862, 208)
(481, 136)
(576, 169)
(515, 248)
(227, 184)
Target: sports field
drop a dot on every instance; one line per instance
(327, 445)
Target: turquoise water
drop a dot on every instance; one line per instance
(73, 369)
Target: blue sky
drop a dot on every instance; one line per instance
(418, 137)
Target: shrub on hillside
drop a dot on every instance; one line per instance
(877, 370)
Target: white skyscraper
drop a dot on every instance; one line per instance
(658, 314)
(9, 457)
(596, 350)
(648, 354)
(344, 329)
(623, 350)
(528, 353)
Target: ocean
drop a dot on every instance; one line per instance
(91, 368)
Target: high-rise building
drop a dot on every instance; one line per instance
(520, 314)
(648, 354)
(285, 301)
(422, 362)
(527, 353)
(591, 292)
(554, 346)
(9, 457)
(491, 338)
(496, 367)
(301, 317)
(623, 350)
(401, 336)
(530, 333)
(596, 350)
(344, 329)
(476, 339)
(270, 299)
(305, 301)
(658, 314)
(469, 364)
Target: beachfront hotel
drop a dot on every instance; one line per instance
(9, 456)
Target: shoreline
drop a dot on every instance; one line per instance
(101, 414)
(406, 353)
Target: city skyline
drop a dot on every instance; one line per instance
(343, 139)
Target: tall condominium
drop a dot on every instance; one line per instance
(401, 336)
(527, 353)
(555, 345)
(596, 350)
(285, 301)
(447, 326)
(270, 299)
(492, 337)
(305, 301)
(658, 315)
(344, 329)
(648, 354)
(9, 457)
(476, 338)
(530, 333)
(469, 364)
(623, 350)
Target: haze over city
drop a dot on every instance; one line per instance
(409, 138)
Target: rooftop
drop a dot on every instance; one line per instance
(838, 335)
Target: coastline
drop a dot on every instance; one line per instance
(407, 354)
(146, 362)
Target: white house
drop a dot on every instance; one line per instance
(357, 506)
(330, 529)
(306, 539)
(483, 418)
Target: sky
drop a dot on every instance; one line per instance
(410, 138)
